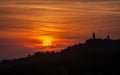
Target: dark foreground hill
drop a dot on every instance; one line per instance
(95, 57)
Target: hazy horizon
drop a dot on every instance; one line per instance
(29, 26)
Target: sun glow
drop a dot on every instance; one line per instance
(47, 41)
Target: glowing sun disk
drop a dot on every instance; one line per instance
(47, 42)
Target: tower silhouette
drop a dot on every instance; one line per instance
(94, 35)
(108, 37)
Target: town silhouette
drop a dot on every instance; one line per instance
(94, 57)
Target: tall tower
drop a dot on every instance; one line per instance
(108, 37)
(94, 36)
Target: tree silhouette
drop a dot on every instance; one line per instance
(95, 57)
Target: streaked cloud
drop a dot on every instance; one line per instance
(71, 20)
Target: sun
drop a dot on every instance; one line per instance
(46, 41)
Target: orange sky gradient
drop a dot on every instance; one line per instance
(28, 26)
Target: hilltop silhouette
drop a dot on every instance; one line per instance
(94, 57)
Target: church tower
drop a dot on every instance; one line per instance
(94, 36)
(108, 37)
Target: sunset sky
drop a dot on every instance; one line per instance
(28, 26)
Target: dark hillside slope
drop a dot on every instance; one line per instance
(95, 57)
